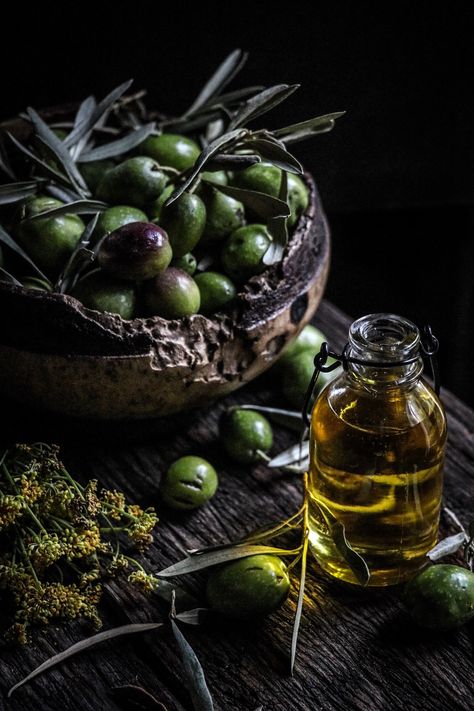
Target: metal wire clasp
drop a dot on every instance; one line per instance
(429, 346)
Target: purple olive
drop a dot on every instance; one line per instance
(136, 251)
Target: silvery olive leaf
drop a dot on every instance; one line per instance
(236, 96)
(38, 162)
(193, 617)
(120, 146)
(266, 206)
(6, 276)
(297, 454)
(93, 117)
(229, 161)
(447, 546)
(10, 242)
(199, 562)
(209, 152)
(79, 207)
(86, 644)
(13, 192)
(273, 153)
(79, 259)
(305, 129)
(277, 227)
(261, 103)
(61, 193)
(58, 147)
(224, 74)
(193, 672)
(4, 159)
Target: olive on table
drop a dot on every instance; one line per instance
(216, 290)
(171, 150)
(245, 433)
(243, 251)
(115, 217)
(441, 597)
(296, 376)
(187, 263)
(184, 221)
(189, 482)
(171, 294)
(309, 339)
(224, 214)
(101, 292)
(49, 241)
(136, 181)
(248, 588)
(136, 251)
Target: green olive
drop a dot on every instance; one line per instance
(137, 181)
(184, 221)
(100, 292)
(297, 374)
(49, 241)
(248, 588)
(188, 483)
(309, 339)
(187, 263)
(155, 208)
(224, 215)
(262, 177)
(245, 433)
(115, 217)
(94, 171)
(218, 177)
(217, 291)
(172, 294)
(243, 251)
(441, 597)
(136, 251)
(172, 150)
(298, 198)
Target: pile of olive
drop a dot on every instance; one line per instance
(148, 251)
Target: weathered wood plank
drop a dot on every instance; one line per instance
(357, 650)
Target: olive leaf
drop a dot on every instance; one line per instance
(86, 644)
(277, 227)
(296, 454)
(274, 153)
(10, 242)
(80, 257)
(120, 146)
(6, 276)
(4, 160)
(59, 149)
(209, 151)
(61, 193)
(78, 207)
(13, 192)
(261, 103)
(308, 128)
(192, 617)
(266, 206)
(287, 418)
(447, 546)
(229, 161)
(92, 117)
(223, 75)
(237, 95)
(199, 562)
(193, 671)
(38, 162)
(338, 534)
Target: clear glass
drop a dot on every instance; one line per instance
(378, 439)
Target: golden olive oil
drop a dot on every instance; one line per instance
(376, 462)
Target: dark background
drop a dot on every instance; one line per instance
(396, 173)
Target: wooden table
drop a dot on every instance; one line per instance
(357, 650)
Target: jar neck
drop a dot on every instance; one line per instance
(379, 339)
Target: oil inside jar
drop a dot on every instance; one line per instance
(377, 454)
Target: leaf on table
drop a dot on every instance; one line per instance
(86, 644)
(10, 242)
(120, 146)
(447, 546)
(296, 454)
(205, 560)
(193, 672)
(287, 418)
(193, 617)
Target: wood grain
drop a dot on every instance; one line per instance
(357, 650)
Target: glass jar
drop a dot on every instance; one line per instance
(377, 444)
